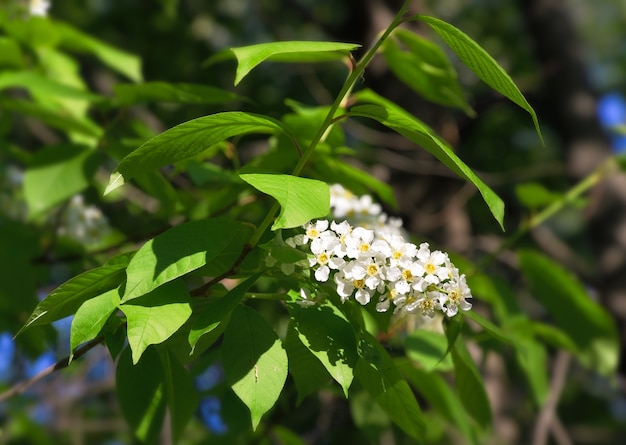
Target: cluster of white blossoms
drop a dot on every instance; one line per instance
(83, 223)
(376, 263)
(38, 7)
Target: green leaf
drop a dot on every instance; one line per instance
(180, 392)
(68, 297)
(428, 349)
(439, 395)
(306, 370)
(182, 249)
(38, 84)
(410, 127)
(489, 327)
(153, 318)
(368, 417)
(285, 436)
(469, 385)
(301, 199)
(91, 317)
(532, 359)
(184, 93)
(589, 325)
(481, 63)
(534, 196)
(189, 139)
(378, 374)
(68, 124)
(57, 173)
(121, 61)
(255, 363)
(217, 309)
(249, 57)
(141, 395)
(10, 53)
(425, 68)
(334, 345)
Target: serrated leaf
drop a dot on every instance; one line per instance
(57, 173)
(378, 374)
(141, 394)
(410, 127)
(68, 297)
(425, 68)
(250, 56)
(91, 317)
(301, 199)
(180, 392)
(481, 63)
(156, 316)
(189, 139)
(433, 387)
(334, 346)
(217, 309)
(469, 385)
(182, 249)
(255, 363)
(185, 93)
(590, 327)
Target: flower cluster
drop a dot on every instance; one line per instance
(377, 262)
(84, 223)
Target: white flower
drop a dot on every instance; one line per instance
(432, 265)
(457, 294)
(38, 7)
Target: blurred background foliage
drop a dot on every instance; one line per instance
(535, 40)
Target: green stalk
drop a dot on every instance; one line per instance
(583, 186)
(353, 77)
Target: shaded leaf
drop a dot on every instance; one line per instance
(469, 385)
(334, 346)
(140, 394)
(434, 388)
(590, 327)
(377, 373)
(428, 349)
(255, 363)
(217, 309)
(185, 93)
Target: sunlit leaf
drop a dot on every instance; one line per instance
(249, 57)
(301, 199)
(481, 63)
(182, 249)
(189, 139)
(410, 127)
(156, 316)
(91, 317)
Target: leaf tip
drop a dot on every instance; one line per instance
(115, 181)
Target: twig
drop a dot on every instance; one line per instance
(61, 364)
(547, 416)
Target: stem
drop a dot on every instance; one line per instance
(355, 73)
(587, 183)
